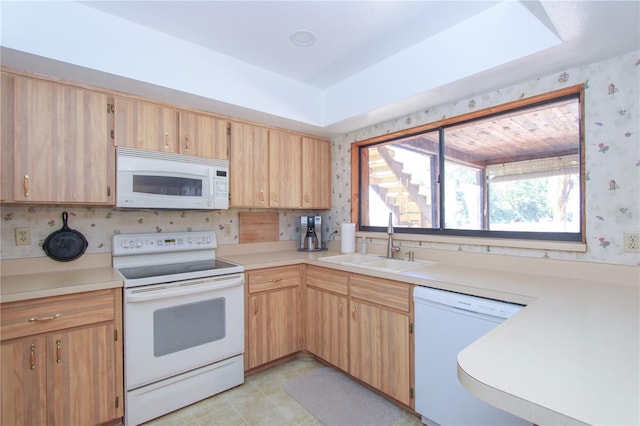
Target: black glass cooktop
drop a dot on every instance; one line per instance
(137, 272)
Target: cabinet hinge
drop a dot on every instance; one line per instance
(411, 393)
(411, 328)
(117, 402)
(111, 108)
(113, 134)
(115, 335)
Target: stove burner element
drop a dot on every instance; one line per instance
(166, 270)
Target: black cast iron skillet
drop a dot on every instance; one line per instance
(65, 244)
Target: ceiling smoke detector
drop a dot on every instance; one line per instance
(303, 38)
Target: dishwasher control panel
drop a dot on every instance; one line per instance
(466, 302)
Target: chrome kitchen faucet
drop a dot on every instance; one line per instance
(390, 247)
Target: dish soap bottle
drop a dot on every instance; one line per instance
(363, 246)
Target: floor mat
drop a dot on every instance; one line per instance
(336, 400)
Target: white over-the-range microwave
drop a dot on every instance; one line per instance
(159, 180)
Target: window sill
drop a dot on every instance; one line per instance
(567, 246)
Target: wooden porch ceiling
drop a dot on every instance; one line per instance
(521, 135)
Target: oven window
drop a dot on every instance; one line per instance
(186, 326)
(167, 185)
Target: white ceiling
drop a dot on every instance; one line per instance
(372, 60)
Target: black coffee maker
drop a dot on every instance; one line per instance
(310, 233)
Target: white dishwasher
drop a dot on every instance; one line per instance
(446, 323)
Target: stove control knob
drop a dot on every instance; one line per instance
(139, 243)
(125, 244)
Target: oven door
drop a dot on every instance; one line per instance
(176, 327)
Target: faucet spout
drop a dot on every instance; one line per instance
(390, 247)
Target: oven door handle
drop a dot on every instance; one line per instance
(182, 289)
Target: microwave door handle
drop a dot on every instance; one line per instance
(183, 289)
(212, 189)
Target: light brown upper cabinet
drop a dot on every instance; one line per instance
(155, 127)
(316, 173)
(62, 152)
(277, 169)
(285, 170)
(6, 135)
(249, 166)
(202, 135)
(145, 125)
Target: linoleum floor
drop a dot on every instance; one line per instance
(261, 400)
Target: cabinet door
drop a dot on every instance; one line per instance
(82, 377)
(62, 149)
(380, 349)
(316, 173)
(285, 170)
(202, 135)
(6, 136)
(249, 166)
(327, 327)
(145, 125)
(274, 325)
(24, 381)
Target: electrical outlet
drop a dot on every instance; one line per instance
(23, 236)
(227, 230)
(632, 242)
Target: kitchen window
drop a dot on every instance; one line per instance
(512, 171)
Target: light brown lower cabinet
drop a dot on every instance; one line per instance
(379, 349)
(327, 315)
(362, 325)
(273, 314)
(62, 360)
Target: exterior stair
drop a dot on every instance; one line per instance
(394, 187)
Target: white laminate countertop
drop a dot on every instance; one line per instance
(45, 284)
(572, 356)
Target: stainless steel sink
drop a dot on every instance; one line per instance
(376, 263)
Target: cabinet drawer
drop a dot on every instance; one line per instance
(328, 279)
(382, 292)
(273, 278)
(47, 314)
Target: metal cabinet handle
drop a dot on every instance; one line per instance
(262, 195)
(58, 351)
(186, 143)
(25, 185)
(353, 312)
(166, 140)
(32, 356)
(306, 198)
(43, 319)
(274, 198)
(275, 280)
(255, 308)
(340, 309)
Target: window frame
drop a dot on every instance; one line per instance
(488, 235)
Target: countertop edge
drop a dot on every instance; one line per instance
(512, 404)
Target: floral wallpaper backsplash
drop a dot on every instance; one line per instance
(612, 155)
(99, 224)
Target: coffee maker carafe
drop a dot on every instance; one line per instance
(310, 233)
